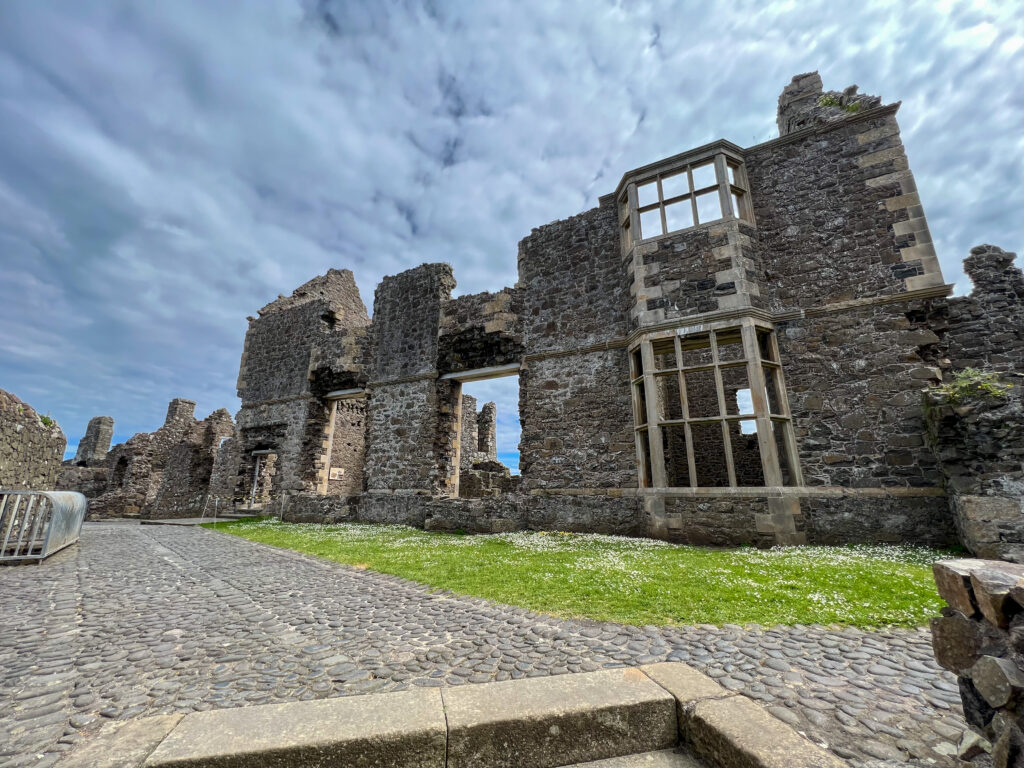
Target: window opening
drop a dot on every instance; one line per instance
(682, 198)
(719, 411)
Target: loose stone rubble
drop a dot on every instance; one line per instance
(980, 638)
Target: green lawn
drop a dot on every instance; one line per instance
(636, 581)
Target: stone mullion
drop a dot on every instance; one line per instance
(759, 396)
(691, 462)
(724, 196)
(730, 467)
(789, 438)
(655, 447)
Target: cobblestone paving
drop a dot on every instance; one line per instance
(141, 620)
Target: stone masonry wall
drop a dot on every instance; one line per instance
(980, 447)
(185, 484)
(93, 448)
(855, 380)
(574, 403)
(828, 206)
(986, 328)
(348, 447)
(412, 417)
(137, 466)
(31, 450)
(479, 331)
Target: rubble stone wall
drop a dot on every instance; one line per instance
(479, 331)
(985, 329)
(185, 485)
(136, 467)
(412, 417)
(348, 446)
(827, 207)
(94, 446)
(31, 450)
(980, 638)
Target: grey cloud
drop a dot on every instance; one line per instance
(168, 168)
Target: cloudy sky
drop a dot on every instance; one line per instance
(166, 168)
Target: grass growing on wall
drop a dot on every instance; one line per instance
(636, 581)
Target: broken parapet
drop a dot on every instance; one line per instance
(804, 103)
(985, 327)
(93, 448)
(980, 638)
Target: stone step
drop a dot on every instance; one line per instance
(546, 722)
(665, 758)
(618, 718)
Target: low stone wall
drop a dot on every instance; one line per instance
(31, 446)
(980, 637)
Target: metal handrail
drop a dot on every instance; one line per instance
(35, 524)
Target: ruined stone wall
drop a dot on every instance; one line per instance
(300, 348)
(574, 400)
(93, 447)
(986, 328)
(137, 466)
(479, 331)
(832, 208)
(980, 638)
(855, 380)
(31, 450)
(185, 484)
(470, 436)
(224, 480)
(412, 431)
(487, 431)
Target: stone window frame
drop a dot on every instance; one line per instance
(730, 181)
(760, 359)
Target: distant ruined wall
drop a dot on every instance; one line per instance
(93, 448)
(980, 442)
(31, 450)
(185, 484)
(136, 467)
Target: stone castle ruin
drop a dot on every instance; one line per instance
(730, 349)
(167, 473)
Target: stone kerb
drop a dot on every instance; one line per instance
(530, 723)
(980, 637)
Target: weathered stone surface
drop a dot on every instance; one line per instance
(123, 745)
(959, 642)
(736, 732)
(953, 579)
(991, 585)
(546, 722)
(390, 730)
(998, 680)
(31, 447)
(669, 758)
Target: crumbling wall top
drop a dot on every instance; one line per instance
(337, 287)
(804, 103)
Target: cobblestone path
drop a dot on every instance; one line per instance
(140, 620)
